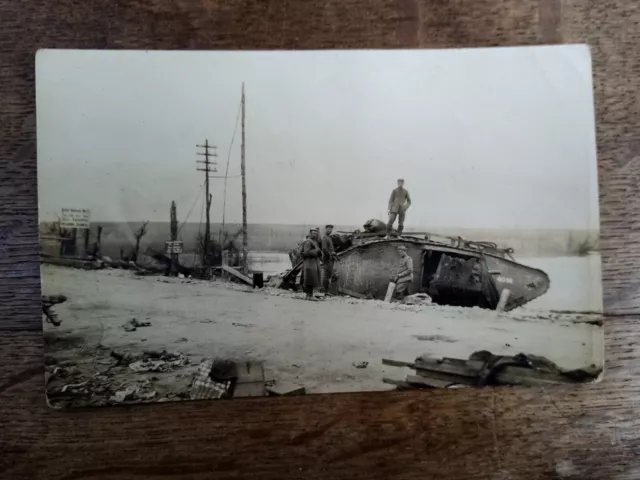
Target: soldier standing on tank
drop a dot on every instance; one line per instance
(399, 203)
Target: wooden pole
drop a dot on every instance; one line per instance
(209, 166)
(207, 231)
(245, 263)
(174, 237)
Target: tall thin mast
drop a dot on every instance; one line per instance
(245, 262)
(208, 167)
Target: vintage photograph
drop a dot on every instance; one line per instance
(221, 225)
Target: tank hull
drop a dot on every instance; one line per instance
(450, 275)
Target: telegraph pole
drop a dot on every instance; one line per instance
(245, 262)
(207, 166)
(174, 237)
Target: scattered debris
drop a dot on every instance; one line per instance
(247, 325)
(238, 275)
(486, 369)
(214, 379)
(435, 338)
(49, 360)
(418, 299)
(360, 364)
(139, 392)
(286, 389)
(122, 395)
(133, 324)
(73, 386)
(167, 362)
(275, 281)
(183, 339)
(48, 301)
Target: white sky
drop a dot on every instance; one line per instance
(485, 138)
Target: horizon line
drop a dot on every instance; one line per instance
(416, 229)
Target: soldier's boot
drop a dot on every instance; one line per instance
(400, 228)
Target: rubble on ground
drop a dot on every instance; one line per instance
(221, 378)
(151, 361)
(484, 369)
(69, 384)
(133, 324)
(418, 299)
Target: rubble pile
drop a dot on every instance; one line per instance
(115, 380)
(151, 361)
(486, 369)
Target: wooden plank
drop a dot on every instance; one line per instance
(249, 389)
(469, 369)
(390, 290)
(457, 369)
(249, 372)
(286, 389)
(237, 274)
(351, 293)
(429, 381)
(250, 381)
(397, 383)
(504, 298)
(396, 363)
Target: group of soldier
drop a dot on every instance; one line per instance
(319, 255)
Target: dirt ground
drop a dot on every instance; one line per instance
(311, 344)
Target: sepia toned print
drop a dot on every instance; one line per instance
(222, 225)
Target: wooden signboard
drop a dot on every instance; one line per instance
(173, 247)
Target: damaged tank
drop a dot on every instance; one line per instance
(452, 270)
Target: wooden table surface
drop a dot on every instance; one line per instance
(587, 432)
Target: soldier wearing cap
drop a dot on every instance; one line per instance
(399, 203)
(311, 254)
(328, 259)
(404, 276)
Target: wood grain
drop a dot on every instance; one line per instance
(575, 433)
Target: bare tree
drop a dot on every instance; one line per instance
(216, 250)
(138, 234)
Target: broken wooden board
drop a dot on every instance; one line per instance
(237, 274)
(467, 372)
(398, 383)
(351, 293)
(429, 381)
(286, 389)
(390, 291)
(250, 381)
